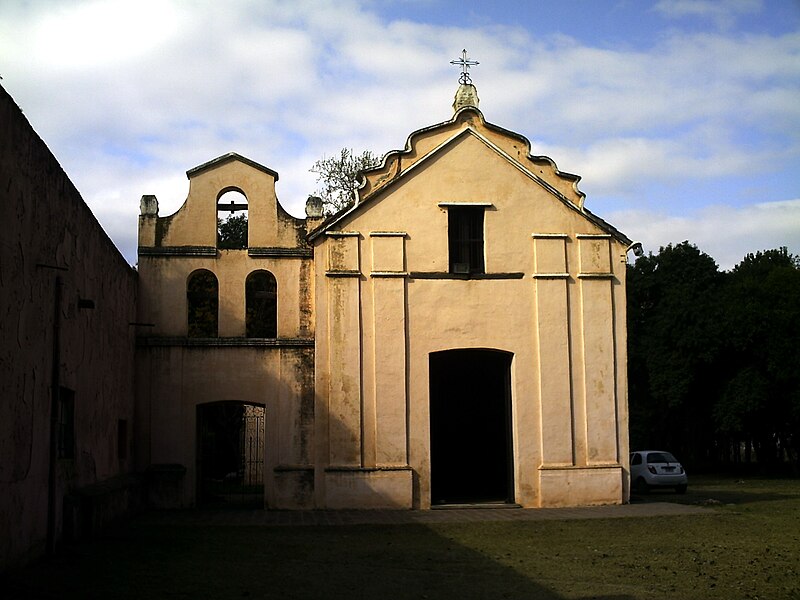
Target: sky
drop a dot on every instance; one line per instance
(682, 117)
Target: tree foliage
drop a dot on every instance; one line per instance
(713, 355)
(232, 232)
(673, 345)
(337, 177)
(761, 400)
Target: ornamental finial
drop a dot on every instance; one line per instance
(465, 64)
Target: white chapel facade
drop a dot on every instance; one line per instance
(456, 336)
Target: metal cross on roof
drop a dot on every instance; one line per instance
(465, 64)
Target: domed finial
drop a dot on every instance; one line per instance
(466, 95)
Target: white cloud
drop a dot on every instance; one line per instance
(102, 32)
(619, 166)
(135, 101)
(723, 232)
(723, 13)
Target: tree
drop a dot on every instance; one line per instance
(338, 178)
(760, 406)
(713, 356)
(674, 338)
(232, 232)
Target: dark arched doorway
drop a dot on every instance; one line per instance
(261, 302)
(470, 408)
(202, 303)
(230, 454)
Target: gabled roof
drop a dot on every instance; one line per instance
(226, 158)
(377, 180)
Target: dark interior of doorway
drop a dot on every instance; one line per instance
(230, 455)
(470, 408)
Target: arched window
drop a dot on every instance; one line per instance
(261, 291)
(232, 220)
(202, 302)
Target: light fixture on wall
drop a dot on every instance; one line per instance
(637, 249)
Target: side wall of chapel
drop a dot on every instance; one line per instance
(67, 298)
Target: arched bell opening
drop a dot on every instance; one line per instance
(232, 224)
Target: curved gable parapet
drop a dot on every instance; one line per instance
(423, 141)
(226, 158)
(395, 162)
(425, 145)
(519, 147)
(194, 224)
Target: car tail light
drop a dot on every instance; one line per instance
(652, 469)
(682, 471)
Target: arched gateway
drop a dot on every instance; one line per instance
(230, 454)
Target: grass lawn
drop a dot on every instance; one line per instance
(748, 546)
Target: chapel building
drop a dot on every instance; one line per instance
(456, 336)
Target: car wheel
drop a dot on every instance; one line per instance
(681, 489)
(641, 486)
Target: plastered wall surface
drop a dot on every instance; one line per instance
(553, 297)
(50, 235)
(177, 374)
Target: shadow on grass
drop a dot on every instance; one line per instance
(151, 560)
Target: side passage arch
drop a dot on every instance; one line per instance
(230, 454)
(471, 434)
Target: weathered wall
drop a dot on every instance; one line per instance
(554, 297)
(176, 374)
(50, 234)
(175, 378)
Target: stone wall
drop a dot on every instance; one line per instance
(67, 301)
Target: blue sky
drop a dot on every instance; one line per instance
(681, 116)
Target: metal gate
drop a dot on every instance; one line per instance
(230, 455)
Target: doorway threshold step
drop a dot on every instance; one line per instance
(478, 505)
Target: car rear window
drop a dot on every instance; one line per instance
(660, 457)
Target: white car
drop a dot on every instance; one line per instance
(656, 469)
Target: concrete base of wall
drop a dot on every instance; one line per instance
(165, 486)
(368, 488)
(35, 551)
(90, 510)
(292, 488)
(580, 486)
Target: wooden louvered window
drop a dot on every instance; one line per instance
(465, 233)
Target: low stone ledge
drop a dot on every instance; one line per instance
(275, 252)
(464, 276)
(165, 485)
(91, 509)
(224, 342)
(178, 251)
(368, 487)
(353, 469)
